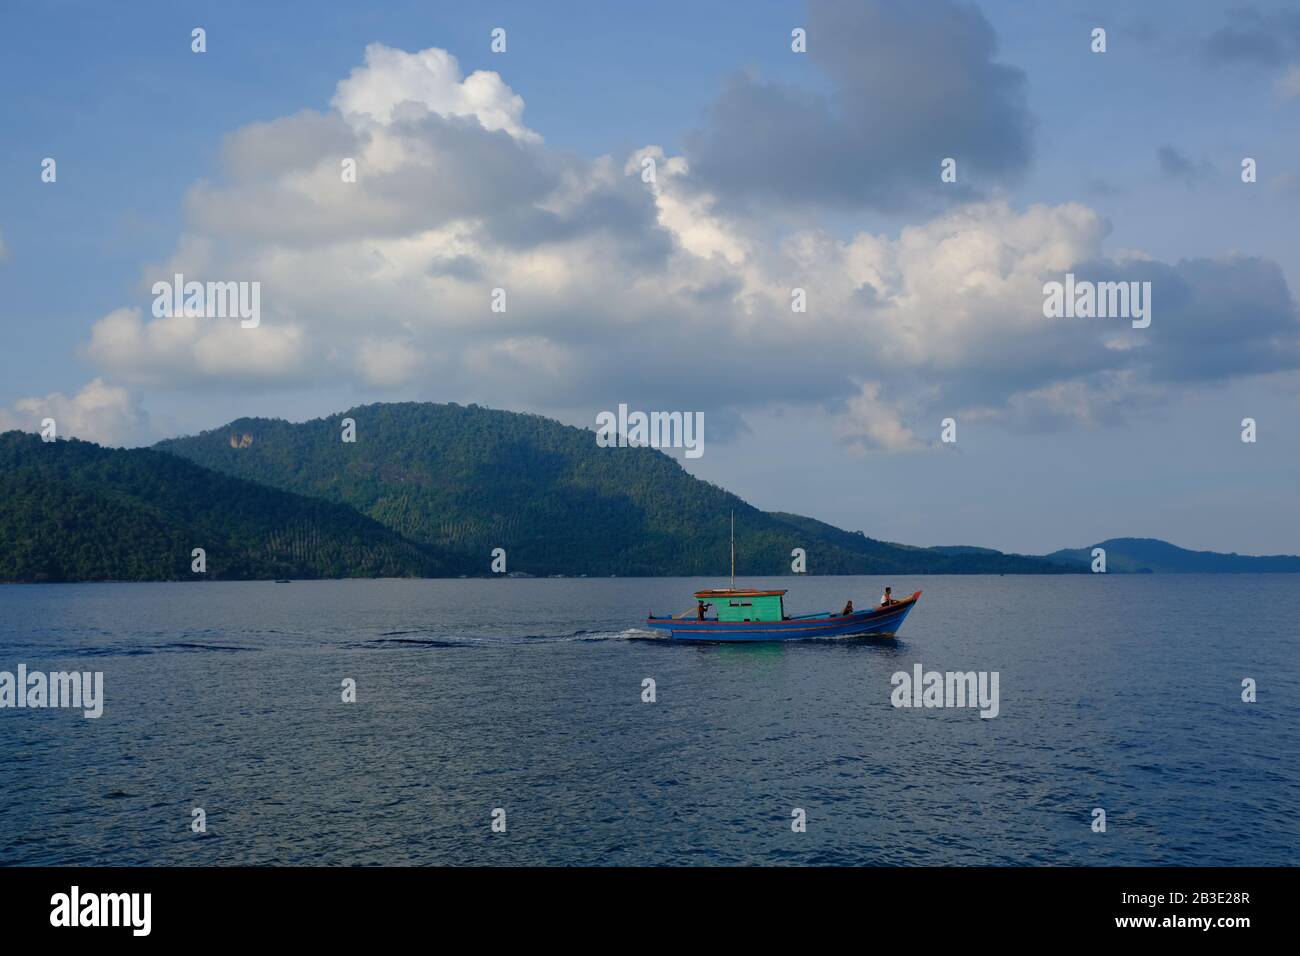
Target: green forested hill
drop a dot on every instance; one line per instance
(472, 479)
(431, 490)
(73, 511)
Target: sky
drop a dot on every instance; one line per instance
(774, 170)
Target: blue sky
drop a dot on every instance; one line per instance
(816, 169)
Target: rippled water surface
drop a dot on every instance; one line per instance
(1115, 692)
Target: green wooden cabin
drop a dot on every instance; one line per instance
(745, 605)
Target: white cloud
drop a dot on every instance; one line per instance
(684, 213)
(431, 78)
(872, 425)
(180, 350)
(100, 412)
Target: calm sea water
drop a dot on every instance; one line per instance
(1115, 692)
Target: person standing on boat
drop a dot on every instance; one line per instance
(887, 598)
(700, 611)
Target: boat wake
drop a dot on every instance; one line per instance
(406, 643)
(136, 650)
(581, 636)
(414, 638)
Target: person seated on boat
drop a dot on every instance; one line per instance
(887, 598)
(848, 609)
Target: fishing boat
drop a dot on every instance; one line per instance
(746, 614)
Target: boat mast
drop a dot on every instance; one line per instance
(733, 549)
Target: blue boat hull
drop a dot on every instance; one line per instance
(881, 622)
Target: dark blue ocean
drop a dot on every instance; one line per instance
(1118, 692)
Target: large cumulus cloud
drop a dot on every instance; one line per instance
(665, 293)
